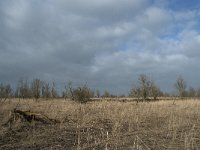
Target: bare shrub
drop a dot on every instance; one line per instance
(80, 94)
(106, 94)
(145, 88)
(154, 91)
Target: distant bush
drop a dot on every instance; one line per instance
(80, 94)
(106, 94)
(145, 89)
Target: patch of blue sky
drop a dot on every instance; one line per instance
(196, 27)
(172, 34)
(184, 4)
(134, 45)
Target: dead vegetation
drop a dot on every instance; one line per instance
(60, 124)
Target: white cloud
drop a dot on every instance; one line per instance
(104, 43)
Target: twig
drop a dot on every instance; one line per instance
(142, 142)
(112, 139)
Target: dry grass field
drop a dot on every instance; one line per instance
(101, 125)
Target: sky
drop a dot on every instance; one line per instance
(105, 44)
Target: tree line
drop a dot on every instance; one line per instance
(145, 89)
(25, 89)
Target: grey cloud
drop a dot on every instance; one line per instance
(106, 10)
(105, 44)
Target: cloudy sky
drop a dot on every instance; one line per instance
(103, 43)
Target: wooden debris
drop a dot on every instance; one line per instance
(31, 116)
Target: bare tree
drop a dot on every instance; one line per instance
(145, 85)
(54, 92)
(135, 92)
(70, 91)
(23, 89)
(5, 91)
(46, 93)
(64, 93)
(180, 85)
(36, 88)
(146, 88)
(154, 90)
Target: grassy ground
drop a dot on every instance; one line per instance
(102, 125)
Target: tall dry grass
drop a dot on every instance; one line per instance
(106, 125)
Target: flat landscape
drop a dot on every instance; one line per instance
(101, 124)
(99, 75)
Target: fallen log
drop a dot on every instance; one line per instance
(31, 116)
